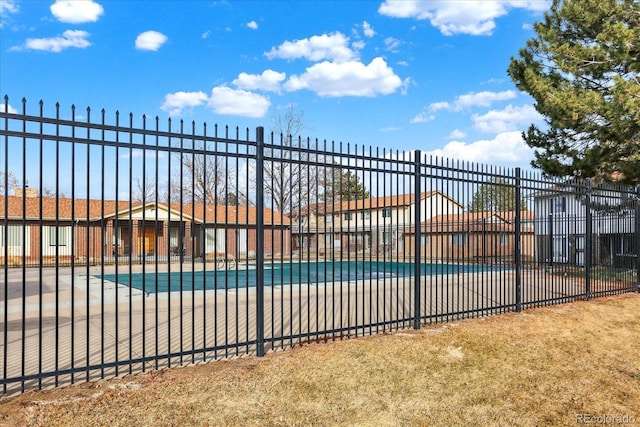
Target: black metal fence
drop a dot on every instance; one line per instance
(126, 247)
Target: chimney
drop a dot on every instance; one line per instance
(28, 192)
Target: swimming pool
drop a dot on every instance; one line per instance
(283, 274)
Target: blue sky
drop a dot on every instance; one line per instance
(401, 75)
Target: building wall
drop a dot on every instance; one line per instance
(479, 247)
(93, 243)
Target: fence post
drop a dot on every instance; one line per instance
(418, 241)
(588, 240)
(550, 242)
(637, 232)
(516, 247)
(260, 241)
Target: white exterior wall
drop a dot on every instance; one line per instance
(573, 220)
(16, 240)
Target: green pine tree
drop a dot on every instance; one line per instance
(583, 71)
(497, 195)
(343, 185)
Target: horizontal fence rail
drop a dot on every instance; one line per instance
(127, 246)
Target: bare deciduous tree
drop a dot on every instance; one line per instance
(200, 178)
(144, 189)
(49, 192)
(11, 180)
(287, 180)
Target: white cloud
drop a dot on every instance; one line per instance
(508, 119)
(70, 38)
(367, 29)
(358, 45)
(483, 99)
(347, 79)
(206, 34)
(391, 44)
(458, 16)
(229, 101)
(7, 7)
(506, 147)
(334, 47)
(76, 11)
(423, 118)
(252, 25)
(150, 40)
(9, 109)
(456, 134)
(473, 99)
(269, 80)
(175, 102)
(437, 106)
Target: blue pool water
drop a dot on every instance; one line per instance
(284, 274)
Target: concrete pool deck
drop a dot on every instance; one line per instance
(75, 322)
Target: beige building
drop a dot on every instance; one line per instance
(479, 237)
(373, 225)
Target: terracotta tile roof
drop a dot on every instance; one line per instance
(61, 209)
(218, 214)
(511, 215)
(316, 208)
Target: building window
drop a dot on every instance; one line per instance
(559, 248)
(329, 219)
(174, 236)
(386, 213)
(504, 239)
(215, 240)
(347, 216)
(58, 236)
(559, 204)
(356, 238)
(459, 239)
(627, 244)
(366, 214)
(13, 237)
(386, 237)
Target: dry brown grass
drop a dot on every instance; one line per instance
(540, 367)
